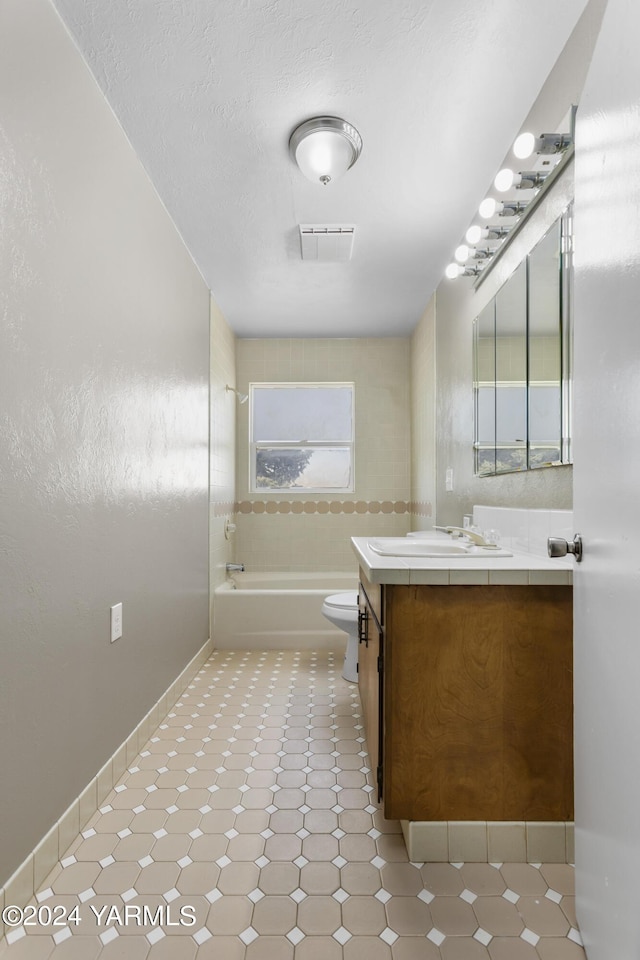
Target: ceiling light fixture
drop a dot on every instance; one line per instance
(325, 148)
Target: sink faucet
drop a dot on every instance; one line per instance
(476, 538)
(235, 568)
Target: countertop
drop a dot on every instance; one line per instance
(522, 569)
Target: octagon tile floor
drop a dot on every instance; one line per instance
(247, 828)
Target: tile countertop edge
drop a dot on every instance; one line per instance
(521, 568)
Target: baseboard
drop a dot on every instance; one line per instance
(21, 886)
(481, 841)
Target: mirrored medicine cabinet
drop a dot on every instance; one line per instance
(522, 362)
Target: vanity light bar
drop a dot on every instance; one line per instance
(559, 145)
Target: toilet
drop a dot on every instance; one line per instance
(341, 609)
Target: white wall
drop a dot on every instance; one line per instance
(103, 432)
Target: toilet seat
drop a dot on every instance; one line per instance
(343, 601)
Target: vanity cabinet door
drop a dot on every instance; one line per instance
(478, 710)
(370, 676)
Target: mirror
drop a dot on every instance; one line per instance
(485, 391)
(511, 373)
(522, 363)
(545, 351)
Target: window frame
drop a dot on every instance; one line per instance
(254, 445)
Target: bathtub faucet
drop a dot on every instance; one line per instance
(235, 568)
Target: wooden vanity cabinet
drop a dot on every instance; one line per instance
(467, 700)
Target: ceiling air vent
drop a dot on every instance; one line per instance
(327, 242)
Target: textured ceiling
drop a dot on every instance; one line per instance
(208, 92)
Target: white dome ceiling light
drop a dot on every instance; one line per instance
(325, 148)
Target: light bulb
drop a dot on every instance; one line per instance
(524, 146)
(473, 234)
(453, 271)
(504, 180)
(462, 253)
(489, 207)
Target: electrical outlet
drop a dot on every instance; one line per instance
(116, 622)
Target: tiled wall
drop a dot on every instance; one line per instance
(312, 532)
(423, 419)
(507, 357)
(224, 407)
(544, 358)
(525, 530)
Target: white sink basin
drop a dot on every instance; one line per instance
(403, 547)
(438, 535)
(409, 547)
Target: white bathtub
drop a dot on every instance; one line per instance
(277, 611)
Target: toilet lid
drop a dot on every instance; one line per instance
(343, 601)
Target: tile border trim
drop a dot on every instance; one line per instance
(487, 841)
(223, 508)
(332, 506)
(22, 884)
(226, 508)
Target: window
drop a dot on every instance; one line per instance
(301, 437)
